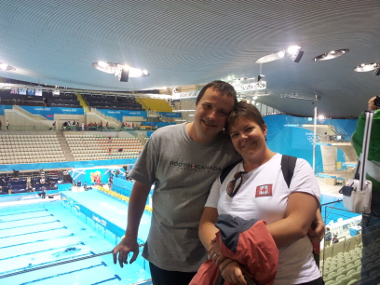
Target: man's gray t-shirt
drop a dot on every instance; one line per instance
(183, 172)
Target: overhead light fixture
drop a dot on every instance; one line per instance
(122, 71)
(331, 54)
(366, 67)
(271, 57)
(299, 97)
(6, 67)
(294, 52)
(124, 75)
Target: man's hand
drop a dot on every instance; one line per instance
(371, 104)
(317, 229)
(126, 246)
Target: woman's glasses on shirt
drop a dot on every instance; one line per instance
(235, 184)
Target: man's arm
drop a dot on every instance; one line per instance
(136, 207)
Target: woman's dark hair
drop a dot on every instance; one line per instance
(244, 110)
(222, 87)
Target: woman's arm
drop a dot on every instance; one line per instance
(300, 213)
(207, 229)
(231, 270)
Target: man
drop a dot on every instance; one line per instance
(370, 222)
(182, 161)
(328, 236)
(43, 193)
(28, 182)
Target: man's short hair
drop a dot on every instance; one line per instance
(223, 87)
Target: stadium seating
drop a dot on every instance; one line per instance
(97, 147)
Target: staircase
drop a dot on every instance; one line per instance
(83, 103)
(65, 147)
(26, 119)
(112, 122)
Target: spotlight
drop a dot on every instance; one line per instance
(271, 57)
(365, 67)
(6, 67)
(295, 53)
(331, 54)
(298, 57)
(261, 76)
(121, 71)
(124, 75)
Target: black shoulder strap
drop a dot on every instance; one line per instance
(288, 164)
(227, 170)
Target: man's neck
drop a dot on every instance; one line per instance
(192, 133)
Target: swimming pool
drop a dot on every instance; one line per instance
(332, 209)
(49, 235)
(42, 235)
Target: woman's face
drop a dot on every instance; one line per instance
(248, 137)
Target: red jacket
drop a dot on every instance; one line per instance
(247, 242)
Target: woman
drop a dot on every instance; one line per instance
(260, 192)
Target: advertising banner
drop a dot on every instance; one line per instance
(49, 112)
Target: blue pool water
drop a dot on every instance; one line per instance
(333, 209)
(43, 234)
(80, 226)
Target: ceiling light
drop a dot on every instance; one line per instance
(7, 67)
(123, 75)
(331, 54)
(122, 71)
(295, 53)
(102, 64)
(271, 57)
(366, 67)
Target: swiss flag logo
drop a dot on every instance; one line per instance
(264, 190)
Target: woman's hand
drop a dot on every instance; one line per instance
(215, 252)
(232, 272)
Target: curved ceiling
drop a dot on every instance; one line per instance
(184, 43)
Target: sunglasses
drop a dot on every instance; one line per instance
(235, 184)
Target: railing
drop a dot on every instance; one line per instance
(25, 120)
(53, 264)
(333, 138)
(32, 116)
(105, 117)
(67, 264)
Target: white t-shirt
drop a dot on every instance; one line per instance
(264, 195)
